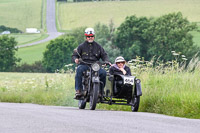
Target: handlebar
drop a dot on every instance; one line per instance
(101, 63)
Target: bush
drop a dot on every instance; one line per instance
(7, 53)
(58, 53)
(12, 30)
(33, 68)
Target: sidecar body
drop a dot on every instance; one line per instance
(123, 90)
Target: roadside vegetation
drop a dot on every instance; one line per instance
(167, 88)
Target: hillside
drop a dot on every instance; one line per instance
(72, 15)
(21, 14)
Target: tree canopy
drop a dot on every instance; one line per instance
(58, 53)
(155, 36)
(7, 53)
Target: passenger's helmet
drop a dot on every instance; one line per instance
(119, 59)
(89, 32)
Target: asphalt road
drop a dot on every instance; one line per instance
(51, 24)
(32, 118)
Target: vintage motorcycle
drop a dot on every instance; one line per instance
(119, 89)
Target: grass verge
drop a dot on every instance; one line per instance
(172, 93)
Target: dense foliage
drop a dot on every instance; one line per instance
(36, 67)
(105, 37)
(58, 53)
(7, 53)
(78, 33)
(12, 30)
(155, 37)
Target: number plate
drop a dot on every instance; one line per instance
(129, 80)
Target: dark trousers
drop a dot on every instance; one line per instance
(79, 74)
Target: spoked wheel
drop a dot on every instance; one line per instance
(94, 96)
(81, 104)
(136, 101)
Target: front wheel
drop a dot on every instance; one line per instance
(136, 101)
(81, 104)
(94, 96)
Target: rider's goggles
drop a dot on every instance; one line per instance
(89, 36)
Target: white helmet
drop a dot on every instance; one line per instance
(89, 32)
(119, 59)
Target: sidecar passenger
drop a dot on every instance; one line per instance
(119, 67)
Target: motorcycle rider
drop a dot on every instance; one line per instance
(119, 67)
(90, 51)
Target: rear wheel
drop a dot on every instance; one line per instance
(94, 96)
(136, 101)
(81, 104)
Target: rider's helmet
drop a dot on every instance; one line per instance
(119, 59)
(89, 32)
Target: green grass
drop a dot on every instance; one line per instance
(31, 54)
(21, 14)
(176, 94)
(172, 93)
(28, 38)
(196, 38)
(46, 89)
(72, 15)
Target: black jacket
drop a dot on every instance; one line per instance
(114, 70)
(90, 52)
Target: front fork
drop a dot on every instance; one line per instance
(96, 80)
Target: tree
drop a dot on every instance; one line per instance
(171, 33)
(130, 37)
(58, 53)
(7, 53)
(155, 37)
(105, 37)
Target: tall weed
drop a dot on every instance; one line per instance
(168, 88)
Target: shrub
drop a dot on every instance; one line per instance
(36, 67)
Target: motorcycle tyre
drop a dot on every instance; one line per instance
(137, 103)
(94, 96)
(81, 104)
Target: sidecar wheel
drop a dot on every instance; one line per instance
(81, 104)
(136, 101)
(94, 96)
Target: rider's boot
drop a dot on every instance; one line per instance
(78, 94)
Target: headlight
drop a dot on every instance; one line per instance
(138, 81)
(95, 67)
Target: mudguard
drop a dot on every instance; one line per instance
(138, 87)
(95, 79)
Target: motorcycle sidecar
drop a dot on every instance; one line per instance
(123, 90)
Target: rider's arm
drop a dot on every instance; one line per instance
(76, 55)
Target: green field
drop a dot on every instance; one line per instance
(28, 38)
(21, 14)
(31, 54)
(73, 15)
